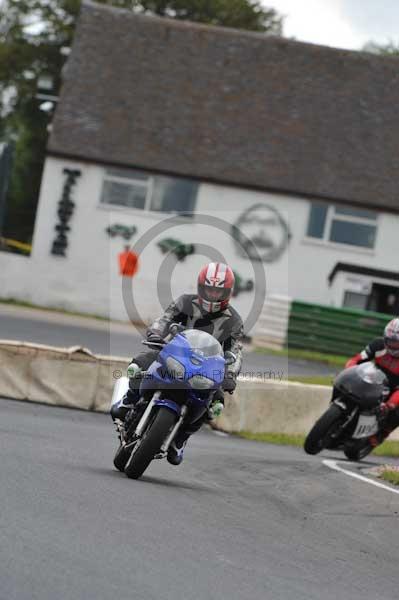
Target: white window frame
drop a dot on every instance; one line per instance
(146, 211)
(354, 292)
(333, 216)
(148, 184)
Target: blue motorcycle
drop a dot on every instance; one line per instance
(175, 391)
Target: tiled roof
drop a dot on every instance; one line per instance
(230, 106)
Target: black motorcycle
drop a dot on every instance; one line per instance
(351, 417)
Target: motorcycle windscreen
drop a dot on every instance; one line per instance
(203, 343)
(365, 383)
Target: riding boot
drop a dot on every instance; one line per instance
(176, 448)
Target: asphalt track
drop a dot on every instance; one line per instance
(238, 520)
(124, 340)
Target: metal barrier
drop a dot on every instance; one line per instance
(333, 330)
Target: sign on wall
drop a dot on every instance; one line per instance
(65, 211)
(128, 262)
(261, 232)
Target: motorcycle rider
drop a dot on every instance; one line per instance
(209, 310)
(384, 351)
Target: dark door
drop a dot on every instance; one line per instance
(384, 299)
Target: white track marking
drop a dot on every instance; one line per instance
(332, 464)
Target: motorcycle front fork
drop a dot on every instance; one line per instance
(349, 417)
(123, 427)
(171, 436)
(142, 424)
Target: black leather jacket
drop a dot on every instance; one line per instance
(226, 326)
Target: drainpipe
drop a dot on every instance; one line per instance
(6, 156)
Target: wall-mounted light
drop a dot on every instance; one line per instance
(47, 106)
(45, 85)
(45, 82)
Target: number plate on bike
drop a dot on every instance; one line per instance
(366, 425)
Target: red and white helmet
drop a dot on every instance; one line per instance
(391, 337)
(215, 286)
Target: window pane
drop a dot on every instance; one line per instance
(355, 234)
(317, 220)
(124, 194)
(174, 195)
(355, 300)
(355, 212)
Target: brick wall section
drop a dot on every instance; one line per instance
(231, 106)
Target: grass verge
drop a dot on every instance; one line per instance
(390, 475)
(282, 439)
(23, 304)
(321, 357)
(390, 448)
(312, 379)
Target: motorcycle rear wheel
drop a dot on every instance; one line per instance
(356, 451)
(150, 443)
(324, 426)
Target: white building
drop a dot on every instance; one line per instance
(279, 157)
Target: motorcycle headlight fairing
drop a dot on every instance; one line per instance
(175, 368)
(199, 382)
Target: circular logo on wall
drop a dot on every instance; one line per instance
(261, 233)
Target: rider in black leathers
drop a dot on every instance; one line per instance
(210, 311)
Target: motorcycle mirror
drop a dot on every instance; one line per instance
(229, 357)
(176, 328)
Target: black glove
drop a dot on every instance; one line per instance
(218, 396)
(153, 337)
(229, 384)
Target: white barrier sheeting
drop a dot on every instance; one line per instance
(72, 377)
(76, 378)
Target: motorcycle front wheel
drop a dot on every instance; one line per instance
(121, 457)
(150, 443)
(321, 431)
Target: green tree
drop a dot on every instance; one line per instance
(33, 38)
(389, 49)
(25, 55)
(241, 14)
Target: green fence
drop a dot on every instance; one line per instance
(333, 330)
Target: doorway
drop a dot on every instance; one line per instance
(384, 299)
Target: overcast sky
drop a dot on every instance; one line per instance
(340, 23)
